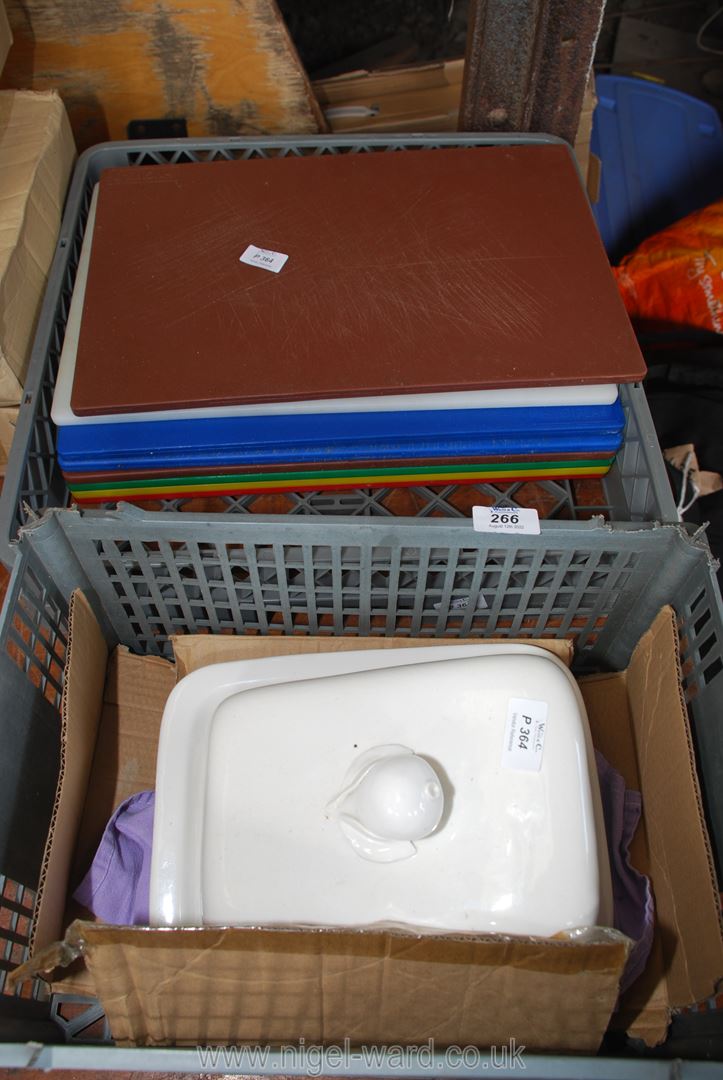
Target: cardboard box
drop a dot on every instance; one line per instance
(6, 35)
(418, 97)
(8, 420)
(231, 985)
(36, 158)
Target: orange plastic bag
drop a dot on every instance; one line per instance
(676, 276)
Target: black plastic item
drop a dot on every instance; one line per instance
(172, 127)
(694, 1035)
(26, 1021)
(684, 387)
(29, 778)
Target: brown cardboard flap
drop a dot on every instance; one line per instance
(80, 710)
(194, 651)
(681, 863)
(124, 762)
(584, 134)
(8, 420)
(644, 1008)
(234, 985)
(650, 744)
(650, 1021)
(44, 962)
(594, 177)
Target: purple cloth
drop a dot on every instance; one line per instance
(634, 908)
(117, 886)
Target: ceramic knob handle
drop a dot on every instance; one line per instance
(399, 797)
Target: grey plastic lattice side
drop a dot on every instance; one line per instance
(157, 574)
(152, 575)
(33, 641)
(636, 489)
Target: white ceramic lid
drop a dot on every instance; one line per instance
(277, 778)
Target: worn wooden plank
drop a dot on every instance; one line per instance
(527, 64)
(227, 66)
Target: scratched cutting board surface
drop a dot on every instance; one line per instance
(63, 415)
(446, 270)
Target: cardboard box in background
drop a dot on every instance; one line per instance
(417, 97)
(8, 417)
(8, 420)
(6, 35)
(167, 986)
(424, 97)
(37, 154)
(590, 164)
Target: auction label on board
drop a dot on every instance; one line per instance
(505, 519)
(524, 734)
(264, 258)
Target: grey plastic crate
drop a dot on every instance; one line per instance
(636, 489)
(151, 575)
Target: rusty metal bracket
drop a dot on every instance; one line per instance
(527, 64)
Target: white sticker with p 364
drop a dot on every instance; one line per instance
(264, 258)
(524, 734)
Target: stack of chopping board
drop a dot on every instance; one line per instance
(341, 321)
